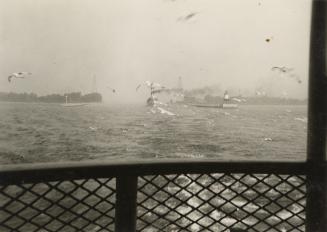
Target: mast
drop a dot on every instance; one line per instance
(180, 85)
(94, 88)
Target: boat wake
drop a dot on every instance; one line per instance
(158, 108)
(163, 111)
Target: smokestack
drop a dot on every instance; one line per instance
(180, 85)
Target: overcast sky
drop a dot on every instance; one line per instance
(65, 43)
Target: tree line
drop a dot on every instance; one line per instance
(74, 97)
(253, 100)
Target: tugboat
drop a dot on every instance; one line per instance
(227, 102)
(171, 96)
(151, 100)
(72, 104)
(154, 89)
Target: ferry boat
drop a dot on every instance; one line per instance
(227, 104)
(66, 104)
(154, 89)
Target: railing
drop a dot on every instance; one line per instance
(170, 195)
(177, 195)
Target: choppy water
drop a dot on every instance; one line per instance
(32, 133)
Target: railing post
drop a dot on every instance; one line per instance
(126, 193)
(316, 212)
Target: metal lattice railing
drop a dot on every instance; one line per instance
(186, 202)
(221, 202)
(156, 197)
(76, 205)
(290, 196)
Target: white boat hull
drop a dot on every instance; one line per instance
(73, 104)
(224, 106)
(229, 106)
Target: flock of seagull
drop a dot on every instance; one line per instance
(282, 70)
(23, 75)
(157, 88)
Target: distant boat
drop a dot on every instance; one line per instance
(72, 104)
(229, 106)
(206, 105)
(155, 88)
(226, 104)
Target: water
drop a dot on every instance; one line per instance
(33, 133)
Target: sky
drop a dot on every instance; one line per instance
(68, 44)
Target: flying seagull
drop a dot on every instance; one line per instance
(113, 90)
(187, 17)
(137, 88)
(282, 69)
(296, 77)
(18, 75)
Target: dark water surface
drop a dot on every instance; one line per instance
(31, 133)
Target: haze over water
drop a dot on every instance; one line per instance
(98, 46)
(199, 53)
(49, 133)
(233, 44)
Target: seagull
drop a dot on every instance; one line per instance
(148, 83)
(187, 17)
(297, 78)
(18, 75)
(282, 69)
(190, 16)
(113, 90)
(138, 87)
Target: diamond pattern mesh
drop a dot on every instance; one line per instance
(221, 202)
(77, 205)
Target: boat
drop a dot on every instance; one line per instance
(224, 106)
(73, 104)
(154, 89)
(227, 104)
(206, 105)
(66, 104)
